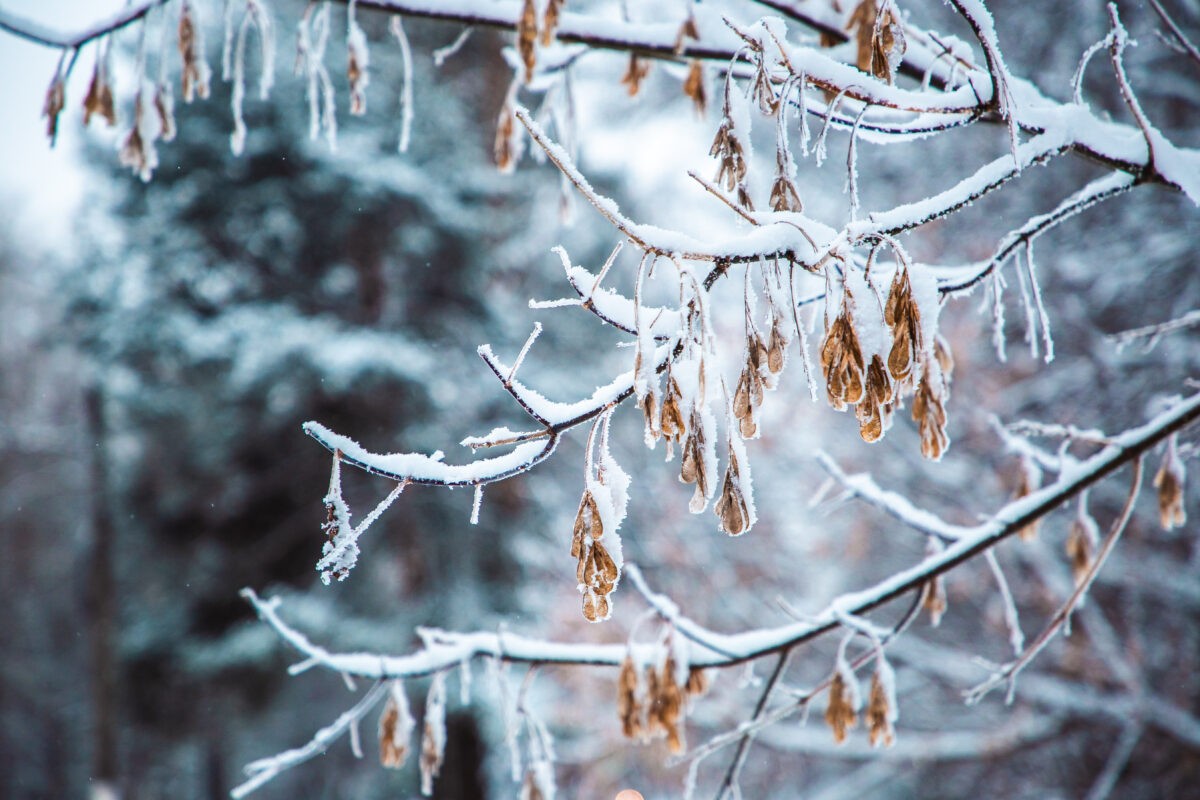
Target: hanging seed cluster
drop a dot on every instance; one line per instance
(845, 702)
(656, 705)
(875, 388)
(596, 571)
(1169, 480)
(879, 39)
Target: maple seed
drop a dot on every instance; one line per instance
(527, 38)
(550, 21)
(879, 722)
(635, 74)
(504, 149)
(933, 599)
(393, 736)
(665, 705)
(842, 362)
(1170, 481)
(839, 714)
(53, 106)
(629, 710)
(1081, 548)
(693, 86)
(731, 509)
(99, 99)
(195, 73)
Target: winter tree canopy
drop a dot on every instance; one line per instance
(968, 227)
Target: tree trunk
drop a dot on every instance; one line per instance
(102, 606)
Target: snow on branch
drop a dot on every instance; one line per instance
(43, 34)
(447, 649)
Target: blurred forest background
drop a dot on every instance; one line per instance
(155, 375)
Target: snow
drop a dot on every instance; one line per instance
(430, 469)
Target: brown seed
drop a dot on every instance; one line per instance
(550, 21)
(839, 714)
(933, 599)
(879, 723)
(635, 73)
(195, 73)
(671, 421)
(53, 106)
(629, 710)
(164, 108)
(527, 38)
(930, 415)
(776, 347)
(99, 99)
(1027, 483)
(693, 86)
(1080, 549)
(731, 171)
(395, 726)
(697, 682)
(504, 149)
(1170, 482)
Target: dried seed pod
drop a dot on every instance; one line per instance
(749, 393)
(395, 728)
(945, 359)
(784, 196)
(842, 362)
(671, 421)
(195, 73)
(727, 149)
(53, 106)
(357, 63)
(687, 30)
(629, 708)
(1081, 545)
(635, 73)
(697, 682)
(665, 700)
(164, 107)
(504, 149)
(693, 86)
(875, 410)
(933, 599)
(588, 525)
(839, 714)
(527, 38)
(433, 736)
(732, 510)
(929, 412)
(550, 19)
(1029, 480)
(879, 714)
(99, 99)
(777, 347)
(595, 607)
(693, 466)
(1170, 482)
(764, 93)
(904, 318)
(879, 39)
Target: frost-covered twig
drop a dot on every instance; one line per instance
(1176, 33)
(1152, 333)
(42, 34)
(729, 785)
(265, 769)
(1009, 672)
(897, 505)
